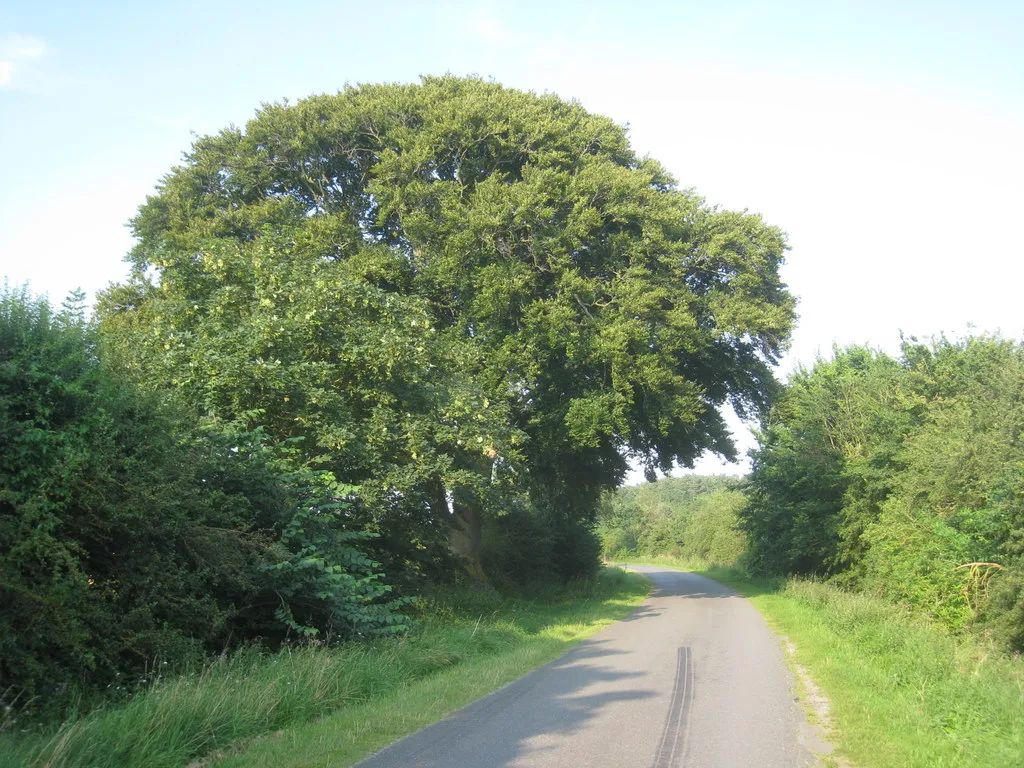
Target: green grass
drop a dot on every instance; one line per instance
(904, 693)
(330, 706)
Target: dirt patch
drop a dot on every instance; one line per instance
(815, 732)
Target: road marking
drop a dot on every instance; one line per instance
(673, 738)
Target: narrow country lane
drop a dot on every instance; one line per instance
(693, 678)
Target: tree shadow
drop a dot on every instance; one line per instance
(714, 582)
(643, 612)
(745, 585)
(523, 720)
(495, 730)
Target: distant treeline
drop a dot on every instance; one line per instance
(693, 517)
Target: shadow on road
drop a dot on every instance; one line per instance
(643, 612)
(467, 738)
(576, 699)
(710, 582)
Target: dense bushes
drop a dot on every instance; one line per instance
(127, 539)
(903, 477)
(533, 546)
(693, 518)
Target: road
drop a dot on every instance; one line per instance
(692, 679)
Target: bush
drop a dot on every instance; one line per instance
(528, 547)
(128, 538)
(902, 477)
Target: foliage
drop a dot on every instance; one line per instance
(303, 347)
(325, 580)
(711, 534)
(822, 465)
(902, 477)
(529, 547)
(128, 539)
(457, 293)
(692, 517)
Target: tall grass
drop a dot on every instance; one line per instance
(252, 692)
(905, 692)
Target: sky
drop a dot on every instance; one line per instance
(885, 138)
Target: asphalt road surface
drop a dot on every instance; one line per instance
(692, 679)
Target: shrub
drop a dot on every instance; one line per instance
(128, 537)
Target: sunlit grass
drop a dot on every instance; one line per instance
(348, 700)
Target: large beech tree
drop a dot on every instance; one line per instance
(457, 285)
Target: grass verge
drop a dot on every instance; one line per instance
(903, 692)
(330, 706)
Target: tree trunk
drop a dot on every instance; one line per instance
(465, 538)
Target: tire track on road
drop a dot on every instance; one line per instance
(672, 745)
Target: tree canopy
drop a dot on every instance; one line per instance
(461, 296)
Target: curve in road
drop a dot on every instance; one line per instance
(692, 679)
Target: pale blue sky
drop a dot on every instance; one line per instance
(885, 138)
